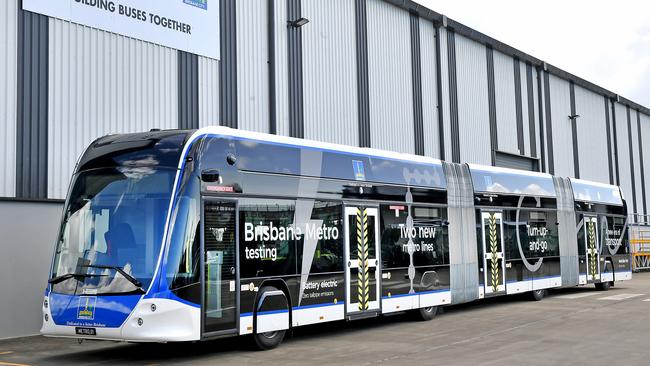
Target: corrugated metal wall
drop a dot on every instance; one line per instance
(524, 109)
(389, 64)
(252, 65)
(504, 88)
(444, 82)
(330, 72)
(208, 92)
(473, 108)
(637, 161)
(101, 83)
(281, 68)
(624, 154)
(429, 89)
(562, 141)
(538, 140)
(645, 134)
(592, 136)
(8, 50)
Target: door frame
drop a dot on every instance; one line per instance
(235, 330)
(594, 219)
(346, 257)
(501, 289)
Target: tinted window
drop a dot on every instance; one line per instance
(429, 236)
(537, 234)
(267, 237)
(509, 181)
(595, 192)
(324, 235)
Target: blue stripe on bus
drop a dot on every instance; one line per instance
(294, 308)
(316, 306)
(535, 279)
(269, 312)
(415, 294)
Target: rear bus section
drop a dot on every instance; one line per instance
(602, 232)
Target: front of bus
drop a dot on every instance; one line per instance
(108, 250)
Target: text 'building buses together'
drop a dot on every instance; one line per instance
(192, 235)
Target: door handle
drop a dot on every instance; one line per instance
(349, 263)
(232, 270)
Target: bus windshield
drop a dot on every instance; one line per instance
(112, 231)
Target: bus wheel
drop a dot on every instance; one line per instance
(268, 340)
(425, 314)
(603, 286)
(537, 295)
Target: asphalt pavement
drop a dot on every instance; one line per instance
(576, 326)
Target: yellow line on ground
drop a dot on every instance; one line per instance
(12, 364)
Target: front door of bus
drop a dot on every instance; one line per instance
(493, 253)
(592, 254)
(220, 296)
(362, 260)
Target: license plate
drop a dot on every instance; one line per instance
(86, 331)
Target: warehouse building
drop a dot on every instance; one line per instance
(384, 74)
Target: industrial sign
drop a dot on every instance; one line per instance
(188, 25)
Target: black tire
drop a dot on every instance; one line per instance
(269, 340)
(537, 295)
(603, 286)
(426, 314)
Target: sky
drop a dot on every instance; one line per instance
(605, 42)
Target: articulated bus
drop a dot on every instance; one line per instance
(171, 236)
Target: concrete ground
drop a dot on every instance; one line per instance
(575, 326)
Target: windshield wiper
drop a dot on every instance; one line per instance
(67, 276)
(121, 271)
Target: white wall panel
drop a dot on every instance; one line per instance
(102, 83)
(389, 73)
(504, 88)
(524, 108)
(473, 103)
(645, 135)
(637, 162)
(330, 72)
(8, 48)
(562, 138)
(592, 135)
(538, 141)
(429, 89)
(281, 68)
(252, 66)
(624, 155)
(208, 92)
(444, 81)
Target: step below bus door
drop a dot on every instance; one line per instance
(493, 253)
(361, 261)
(220, 308)
(592, 246)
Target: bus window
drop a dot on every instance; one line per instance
(326, 227)
(267, 237)
(394, 253)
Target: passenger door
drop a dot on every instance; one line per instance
(220, 263)
(361, 261)
(493, 253)
(592, 245)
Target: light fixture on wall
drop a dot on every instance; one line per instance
(298, 22)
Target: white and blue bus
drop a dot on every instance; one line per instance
(171, 236)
